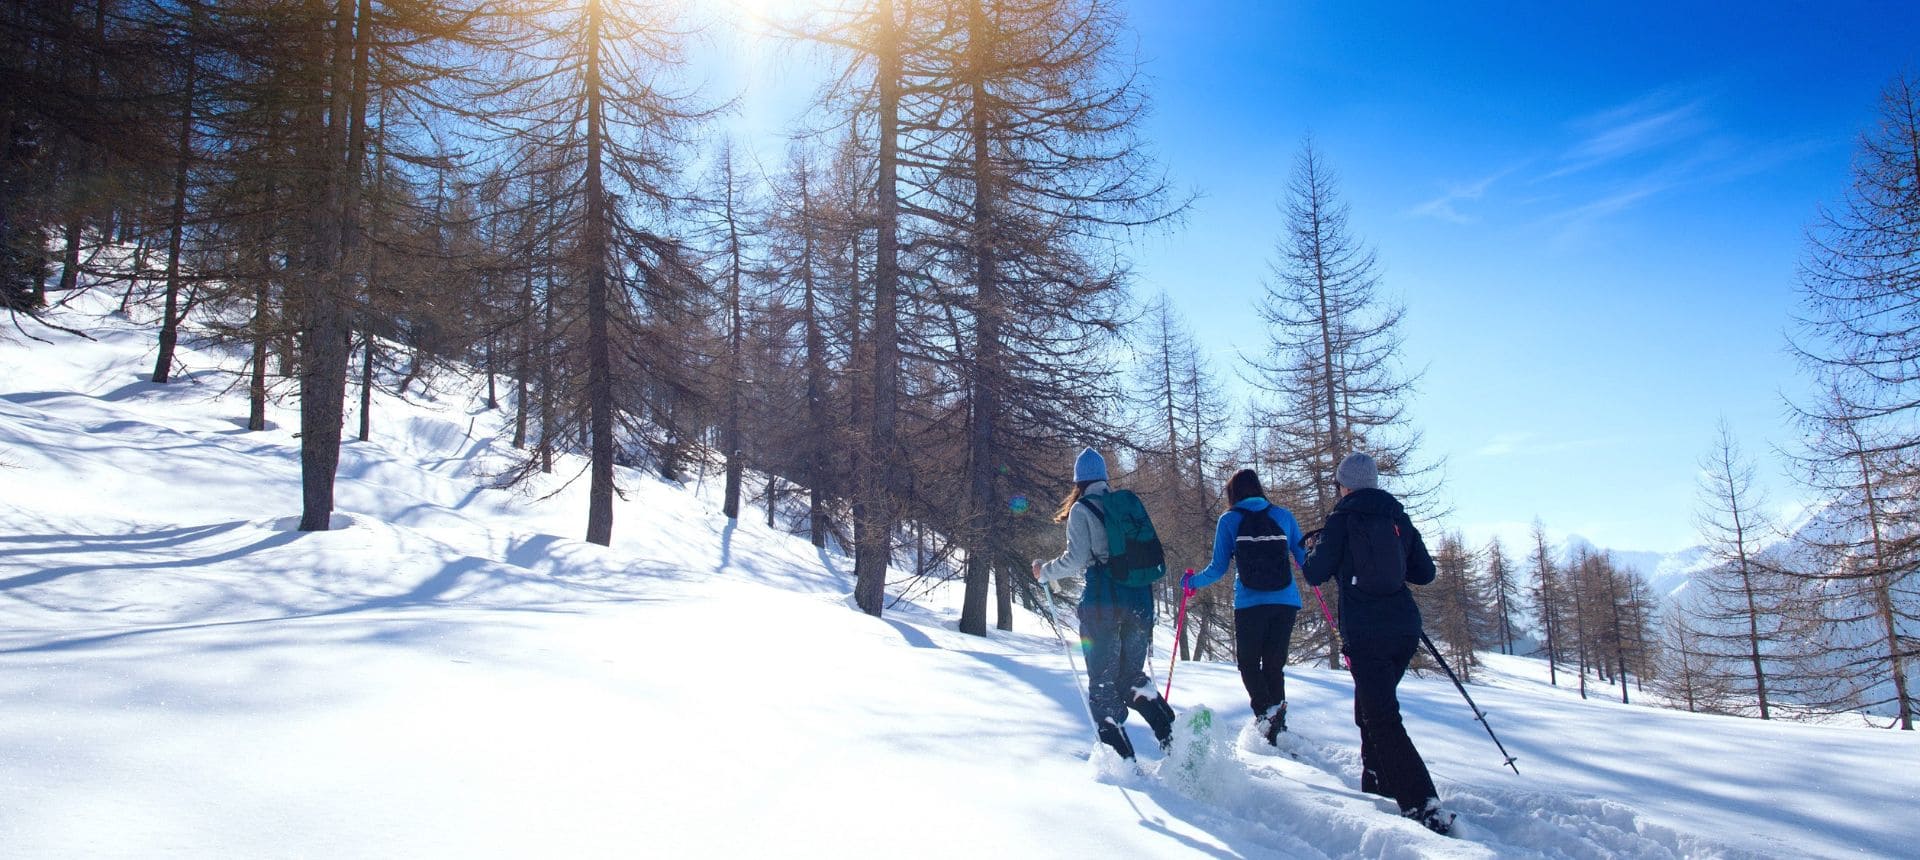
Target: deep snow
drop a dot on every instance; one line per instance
(453, 673)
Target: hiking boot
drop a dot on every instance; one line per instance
(1274, 723)
(1157, 713)
(1116, 737)
(1431, 816)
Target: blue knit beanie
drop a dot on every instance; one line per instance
(1090, 466)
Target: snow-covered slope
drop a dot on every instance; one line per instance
(452, 673)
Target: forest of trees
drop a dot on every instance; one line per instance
(898, 336)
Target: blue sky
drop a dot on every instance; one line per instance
(1592, 213)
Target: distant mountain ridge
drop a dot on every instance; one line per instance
(1669, 573)
(1666, 573)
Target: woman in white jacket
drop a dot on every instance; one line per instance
(1116, 620)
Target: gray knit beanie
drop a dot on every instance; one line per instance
(1357, 472)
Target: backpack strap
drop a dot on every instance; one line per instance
(1102, 551)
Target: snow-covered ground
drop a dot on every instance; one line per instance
(454, 673)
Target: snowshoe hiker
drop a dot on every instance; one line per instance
(1262, 541)
(1372, 549)
(1112, 544)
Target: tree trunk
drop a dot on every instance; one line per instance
(323, 374)
(176, 231)
(981, 451)
(599, 343)
(523, 365)
(1884, 597)
(257, 383)
(816, 385)
(546, 379)
(736, 322)
(880, 484)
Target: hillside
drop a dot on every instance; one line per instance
(453, 673)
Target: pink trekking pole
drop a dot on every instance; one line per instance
(1178, 626)
(1328, 614)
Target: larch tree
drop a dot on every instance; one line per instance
(800, 229)
(1857, 335)
(1330, 368)
(1738, 605)
(1687, 674)
(1179, 472)
(1503, 585)
(1456, 607)
(588, 96)
(733, 223)
(1331, 363)
(1047, 115)
(875, 39)
(1548, 601)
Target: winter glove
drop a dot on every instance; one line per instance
(1186, 582)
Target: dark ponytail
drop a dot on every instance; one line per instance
(1244, 484)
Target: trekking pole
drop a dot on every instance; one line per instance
(1054, 619)
(1328, 614)
(1478, 714)
(1178, 626)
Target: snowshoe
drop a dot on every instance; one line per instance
(1191, 744)
(1432, 817)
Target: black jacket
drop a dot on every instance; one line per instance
(1362, 615)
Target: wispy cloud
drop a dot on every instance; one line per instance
(1502, 444)
(1446, 208)
(1655, 121)
(1613, 202)
(1613, 161)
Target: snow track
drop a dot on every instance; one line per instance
(1249, 779)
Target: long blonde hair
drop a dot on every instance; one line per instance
(1073, 498)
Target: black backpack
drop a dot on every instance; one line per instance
(1378, 555)
(1262, 553)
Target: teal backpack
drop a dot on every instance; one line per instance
(1134, 556)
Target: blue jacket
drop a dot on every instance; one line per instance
(1362, 615)
(1223, 541)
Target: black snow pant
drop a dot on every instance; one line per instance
(1262, 635)
(1389, 764)
(1117, 641)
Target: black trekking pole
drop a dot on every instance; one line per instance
(1478, 714)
